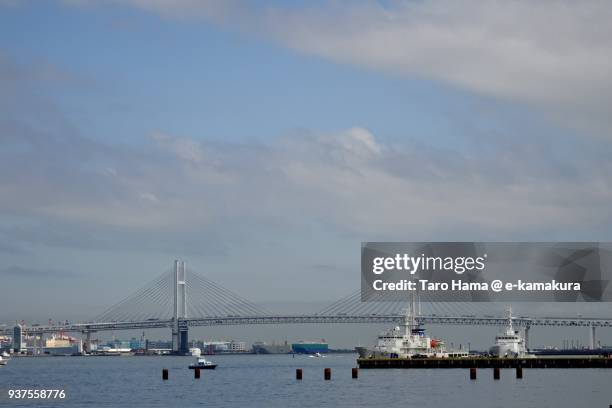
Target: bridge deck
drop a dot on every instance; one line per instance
(301, 319)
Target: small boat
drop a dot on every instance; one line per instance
(203, 364)
(2, 361)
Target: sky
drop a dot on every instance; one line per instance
(262, 142)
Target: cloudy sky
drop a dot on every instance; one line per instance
(263, 141)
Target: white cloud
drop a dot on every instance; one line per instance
(342, 181)
(347, 180)
(184, 148)
(552, 55)
(149, 197)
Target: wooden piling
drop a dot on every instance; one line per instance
(165, 374)
(519, 372)
(298, 373)
(327, 373)
(196, 372)
(355, 372)
(496, 371)
(473, 373)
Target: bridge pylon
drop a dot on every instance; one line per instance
(180, 331)
(87, 348)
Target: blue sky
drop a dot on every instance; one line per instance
(269, 140)
(147, 73)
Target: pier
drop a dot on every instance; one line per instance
(487, 362)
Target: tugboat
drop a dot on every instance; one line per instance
(509, 343)
(203, 364)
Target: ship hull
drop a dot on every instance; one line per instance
(369, 352)
(309, 348)
(271, 349)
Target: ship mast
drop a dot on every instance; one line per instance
(411, 313)
(510, 328)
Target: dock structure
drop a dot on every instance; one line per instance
(487, 362)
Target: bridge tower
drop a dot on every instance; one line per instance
(592, 338)
(180, 338)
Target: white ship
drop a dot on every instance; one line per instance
(509, 343)
(62, 345)
(204, 364)
(407, 341)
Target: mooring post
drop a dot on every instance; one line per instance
(327, 373)
(196, 372)
(496, 373)
(354, 372)
(519, 372)
(298, 373)
(165, 374)
(473, 373)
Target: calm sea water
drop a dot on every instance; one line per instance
(269, 381)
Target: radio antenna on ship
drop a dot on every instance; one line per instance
(412, 312)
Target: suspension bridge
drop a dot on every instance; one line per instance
(179, 300)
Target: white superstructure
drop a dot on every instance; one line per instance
(509, 343)
(407, 340)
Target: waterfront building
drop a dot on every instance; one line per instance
(18, 340)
